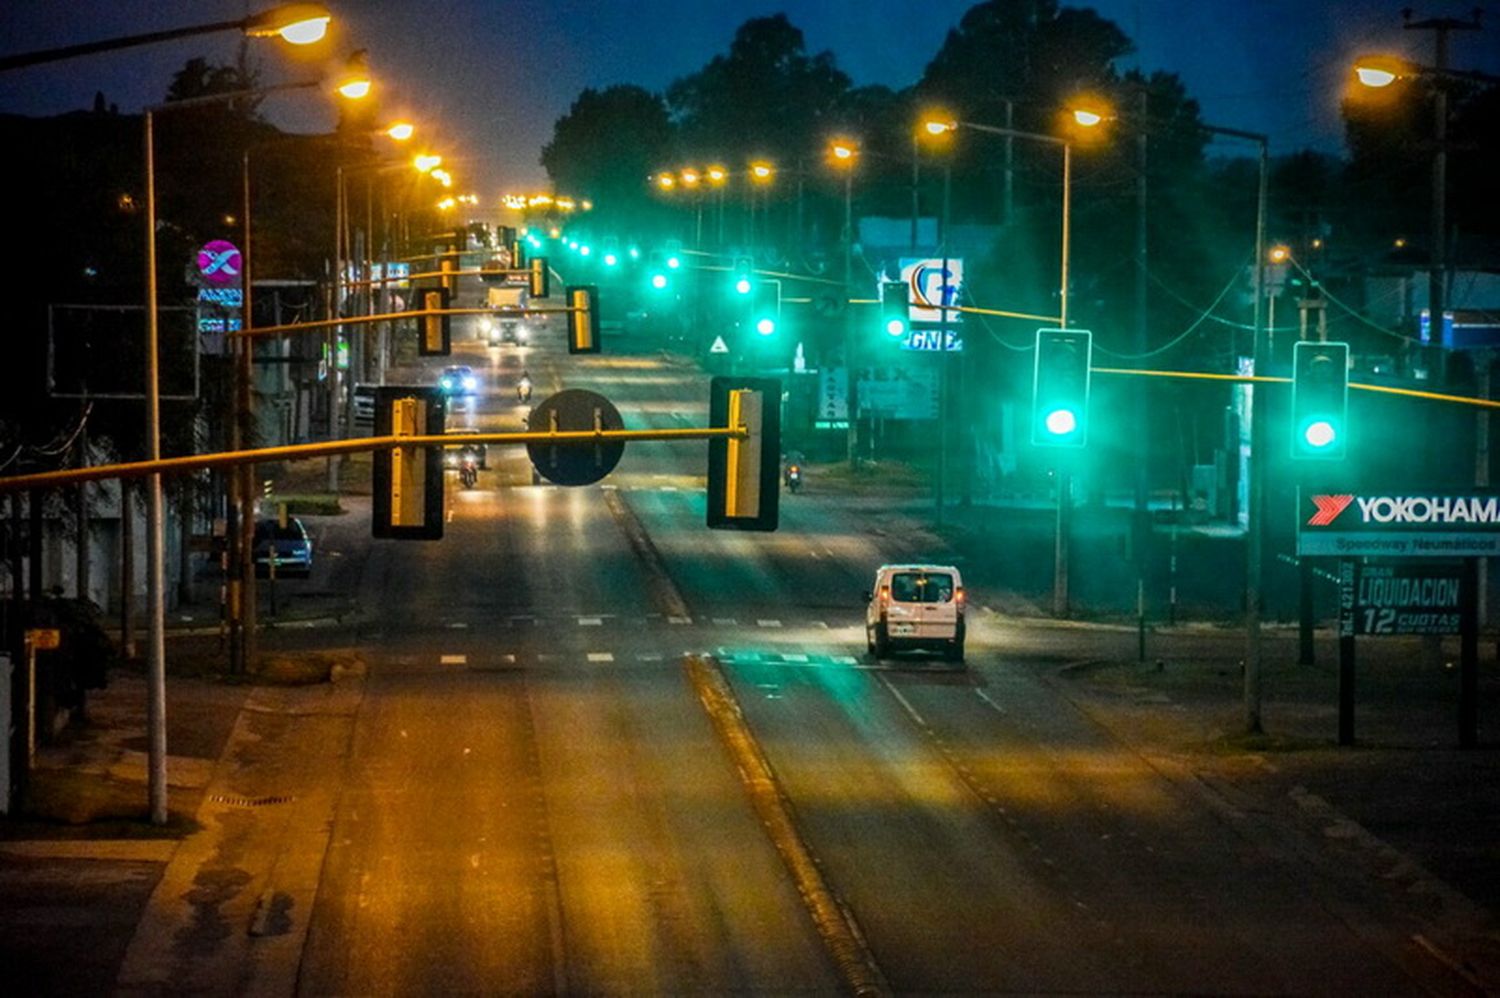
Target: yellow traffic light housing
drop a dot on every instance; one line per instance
(407, 482)
(744, 484)
(583, 320)
(540, 275)
(435, 328)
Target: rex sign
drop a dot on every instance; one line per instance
(1399, 524)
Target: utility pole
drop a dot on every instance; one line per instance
(1141, 520)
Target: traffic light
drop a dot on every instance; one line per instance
(1060, 387)
(435, 330)
(407, 482)
(583, 320)
(540, 277)
(744, 476)
(1320, 401)
(893, 309)
(742, 276)
(765, 308)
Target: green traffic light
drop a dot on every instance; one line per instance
(895, 327)
(610, 259)
(1061, 422)
(673, 262)
(766, 326)
(742, 286)
(659, 281)
(1319, 434)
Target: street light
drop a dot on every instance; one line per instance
(1090, 116)
(294, 23)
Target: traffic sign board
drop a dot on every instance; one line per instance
(719, 346)
(575, 409)
(1399, 524)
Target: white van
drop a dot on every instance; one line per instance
(916, 606)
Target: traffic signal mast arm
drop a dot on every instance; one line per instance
(417, 313)
(299, 452)
(1270, 380)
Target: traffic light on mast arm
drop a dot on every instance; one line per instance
(1060, 387)
(893, 309)
(1320, 401)
(583, 321)
(435, 332)
(744, 476)
(540, 277)
(407, 482)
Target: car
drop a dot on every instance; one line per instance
(289, 545)
(458, 379)
(454, 452)
(363, 405)
(916, 606)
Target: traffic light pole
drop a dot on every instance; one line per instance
(1254, 524)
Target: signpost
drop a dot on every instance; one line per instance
(1409, 590)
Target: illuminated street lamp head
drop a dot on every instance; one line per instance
(1378, 71)
(355, 84)
(939, 126)
(761, 171)
(843, 152)
(716, 175)
(1086, 117)
(401, 131)
(296, 23)
(443, 177)
(426, 162)
(690, 177)
(666, 181)
(1279, 254)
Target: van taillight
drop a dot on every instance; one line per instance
(885, 595)
(958, 596)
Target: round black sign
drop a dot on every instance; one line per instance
(576, 463)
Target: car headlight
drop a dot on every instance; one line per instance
(446, 383)
(451, 460)
(470, 384)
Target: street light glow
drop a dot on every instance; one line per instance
(761, 171)
(296, 23)
(936, 127)
(355, 83)
(666, 181)
(716, 174)
(426, 162)
(1279, 254)
(1378, 71)
(843, 150)
(690, 178)
(401, 131)
(1086, 118)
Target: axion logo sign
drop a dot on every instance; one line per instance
(1329, 508)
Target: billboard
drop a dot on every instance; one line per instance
(1399, 524)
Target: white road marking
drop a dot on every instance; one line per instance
(601, 656)
(458, 625)
(794, 658)
(453, 660)
(725, 622)
(679, 620)
(821, 623)
(609, 487)
(590, 622)
(981, 694)
(845, 659)
(649, 656)
(508, 659)
(768, 623)
(669, 488)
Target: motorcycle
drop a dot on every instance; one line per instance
(523, 390)
(794, 477)
(468, 471)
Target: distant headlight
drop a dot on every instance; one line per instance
(446, 383)
(450, 459)
(522, 334)
(470, 384)
(486, 325)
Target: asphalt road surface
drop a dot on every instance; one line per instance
(536, 801)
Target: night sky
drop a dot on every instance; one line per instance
(492, 76)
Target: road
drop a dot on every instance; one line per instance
(536, 801)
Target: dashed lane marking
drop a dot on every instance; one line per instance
(981, 694)
(590, 622)
(601, 656)
(453, 660)
(648, 656)
(458, 625)
(768, 623)
(679, 620)
(508, 659)
(725, 622)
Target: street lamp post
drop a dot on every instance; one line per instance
(156, 527)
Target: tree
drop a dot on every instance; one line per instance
(766, 97)
(606, 146)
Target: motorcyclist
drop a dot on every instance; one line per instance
(468, 468)
(523, 387)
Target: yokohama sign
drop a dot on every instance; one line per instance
(1399, 524)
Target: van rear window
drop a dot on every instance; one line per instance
(921, 587)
